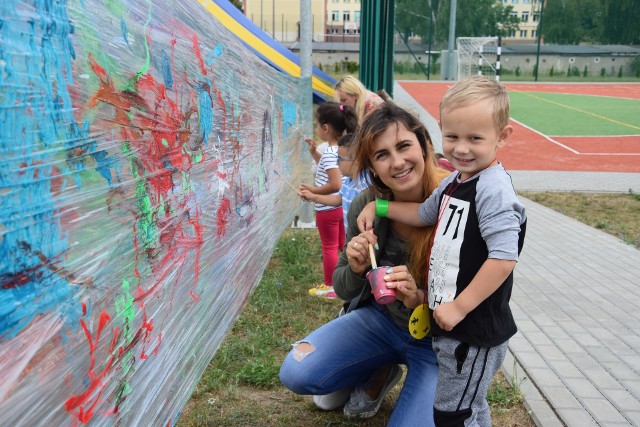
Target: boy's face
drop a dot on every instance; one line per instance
(345, 161)
(470, 139)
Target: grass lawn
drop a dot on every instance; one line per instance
(241, 387)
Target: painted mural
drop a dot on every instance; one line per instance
(140, 148)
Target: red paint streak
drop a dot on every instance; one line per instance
(223, 216)
(91, 396)
(196, 50)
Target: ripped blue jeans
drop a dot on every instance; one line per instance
(347, 351)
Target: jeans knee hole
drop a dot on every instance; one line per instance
(302, 350)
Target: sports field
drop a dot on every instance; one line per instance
(591, 127)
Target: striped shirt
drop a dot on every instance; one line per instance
(329, 160)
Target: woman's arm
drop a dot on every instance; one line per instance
(404, 212)
(348, 283)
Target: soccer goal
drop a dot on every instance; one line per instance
(478, 55)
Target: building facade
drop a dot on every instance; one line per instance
(281, 18)
(528, 12)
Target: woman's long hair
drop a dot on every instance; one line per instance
(376, 123)
(352, 86)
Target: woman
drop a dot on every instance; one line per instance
(350, 91)
(356, 355)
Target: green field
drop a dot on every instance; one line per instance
(576, 115)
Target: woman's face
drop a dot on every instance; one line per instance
(347, 99)
(398, 159)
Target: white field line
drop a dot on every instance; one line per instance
(559, 144)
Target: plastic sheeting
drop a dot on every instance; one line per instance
(140, 144)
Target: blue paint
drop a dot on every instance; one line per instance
(167, 73)
(214, 54)
(34, 109)
(205, 104)
(123, 31)
(289, 117)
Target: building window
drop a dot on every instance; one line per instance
(346, 16)
(514, 1)
(356, 17)
(512, 33)
(536, 17)
(347, 1)
(335, 16)
(534, 34)
(525, 16)
(526, 1)
(523, 34)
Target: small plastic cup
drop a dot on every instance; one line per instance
(381, 293)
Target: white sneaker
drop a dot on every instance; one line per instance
(331, 401)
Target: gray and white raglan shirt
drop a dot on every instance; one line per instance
(480, 218)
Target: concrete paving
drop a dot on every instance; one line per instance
(576, 300)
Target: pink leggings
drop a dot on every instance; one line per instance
(331, 228)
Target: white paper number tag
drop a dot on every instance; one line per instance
(419, 322)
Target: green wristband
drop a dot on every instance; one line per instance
(382, 208)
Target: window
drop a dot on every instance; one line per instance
(346, 16)
(525, 16)
(514, 15)
(356, 16)
(536, 17)
(514, 1)
(512, 33)
(523, 34)
(534, 34)
(335, 16)
(526, 1)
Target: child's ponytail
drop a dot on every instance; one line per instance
(341, 117)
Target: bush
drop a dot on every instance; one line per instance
(551, 72)
(603, 72)
(584, 72)
(635, 66)
(620, 72)
(518, 71)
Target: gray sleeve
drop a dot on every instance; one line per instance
(428, 210)
(500, 214)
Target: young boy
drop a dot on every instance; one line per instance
(480, 228)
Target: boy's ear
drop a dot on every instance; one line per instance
(505, 135)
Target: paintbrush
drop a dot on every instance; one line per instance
(287, 182)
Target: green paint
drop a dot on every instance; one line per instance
(116, 7)
(197, 157)
(147, 228)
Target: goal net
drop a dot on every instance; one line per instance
(478, 55)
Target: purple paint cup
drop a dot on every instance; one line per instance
(382, 294)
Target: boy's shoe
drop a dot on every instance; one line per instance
(359, 406)
(320, 290)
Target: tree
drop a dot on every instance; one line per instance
(474, 18)
(620, 20)
(477, 18)
(238, 4)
